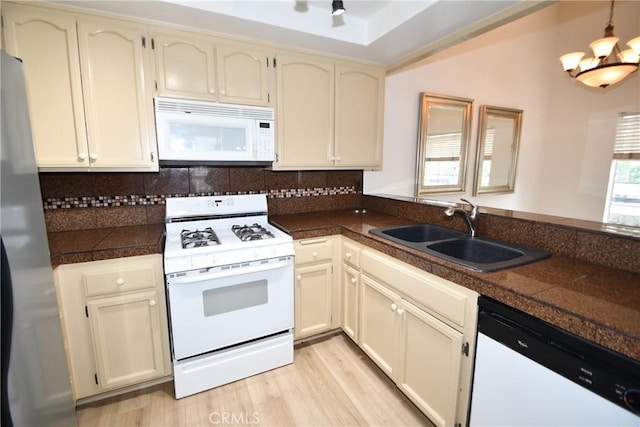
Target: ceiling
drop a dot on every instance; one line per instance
(388, 32)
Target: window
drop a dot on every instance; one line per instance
(623, 194)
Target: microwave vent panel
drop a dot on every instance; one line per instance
(213, 109)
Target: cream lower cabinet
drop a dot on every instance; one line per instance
(315, 297)
(350, 298)
(114, 322)
(417, 327)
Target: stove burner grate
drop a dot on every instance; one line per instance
(198, 238)
(251, 232)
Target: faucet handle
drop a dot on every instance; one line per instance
(474, 208)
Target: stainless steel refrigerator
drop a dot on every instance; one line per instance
(36, 388)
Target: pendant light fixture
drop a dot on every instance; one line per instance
(608, 65)
(338, 7)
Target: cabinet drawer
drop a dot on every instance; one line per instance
(350, 253)
(313, 250)
(120, 280)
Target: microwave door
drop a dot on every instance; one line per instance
(182, 136)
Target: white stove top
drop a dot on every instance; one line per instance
(220, 213)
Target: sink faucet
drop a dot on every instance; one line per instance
(470, 217)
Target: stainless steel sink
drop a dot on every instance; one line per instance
(477, 253)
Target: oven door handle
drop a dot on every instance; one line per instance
(230, 272)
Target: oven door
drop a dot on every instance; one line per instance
(221, 306)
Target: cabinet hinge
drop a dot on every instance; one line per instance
(2, 21)
(465, 349)
(144, 42)
(268, 97)
(152, 157)
(274, 62)
(277, 157)
(155, 85)
(458, 425)
(95, 377)
(86, 311)
(153, 44)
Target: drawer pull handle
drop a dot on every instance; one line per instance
(120, 282)
(394, 306)
(152, 303)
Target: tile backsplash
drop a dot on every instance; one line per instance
(75, 201)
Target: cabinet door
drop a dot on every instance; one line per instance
(127, 339)
(313, 299)
(379, 323)
(46, 42)
(429, 364)
(185, 66)
(350, 291)
(305, 112)
(118, 103)
(359, 115)
(243, 74)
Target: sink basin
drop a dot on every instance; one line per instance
(477, 253)
(417, 233)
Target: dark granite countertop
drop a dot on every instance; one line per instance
(68, 247)
(597, 303)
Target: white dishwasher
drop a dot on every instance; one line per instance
(530, 373)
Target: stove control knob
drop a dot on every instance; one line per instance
(120, 282)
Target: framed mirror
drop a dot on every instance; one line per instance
(443, 138)
(498, 140)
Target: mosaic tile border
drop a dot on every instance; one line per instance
(51, 203)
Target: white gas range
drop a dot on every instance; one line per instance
(229, 278)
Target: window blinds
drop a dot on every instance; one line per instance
(627, 145)
(444, 146)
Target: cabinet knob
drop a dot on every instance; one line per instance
(353, 280)
(348, 255)
(120, 282)
(298, 277)
(82, 156)
(400, 311)
(394, 306)
(315, 254)
(152, 303)
(338, 159)
(93, 156)
(223, 92)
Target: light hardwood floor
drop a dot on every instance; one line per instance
(330, 383)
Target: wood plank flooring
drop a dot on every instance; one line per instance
(330, 383)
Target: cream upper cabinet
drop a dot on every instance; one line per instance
(305, 112)
(89, 93)
(115, 63)
(185, 65)
(359, 115)
(330, 114)
(196, 66)
(243, 74)
(47, 43)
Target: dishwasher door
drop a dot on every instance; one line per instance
(530, 373)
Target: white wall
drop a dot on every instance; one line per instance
(568, 129)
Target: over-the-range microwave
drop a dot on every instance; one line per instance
(208, 133)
